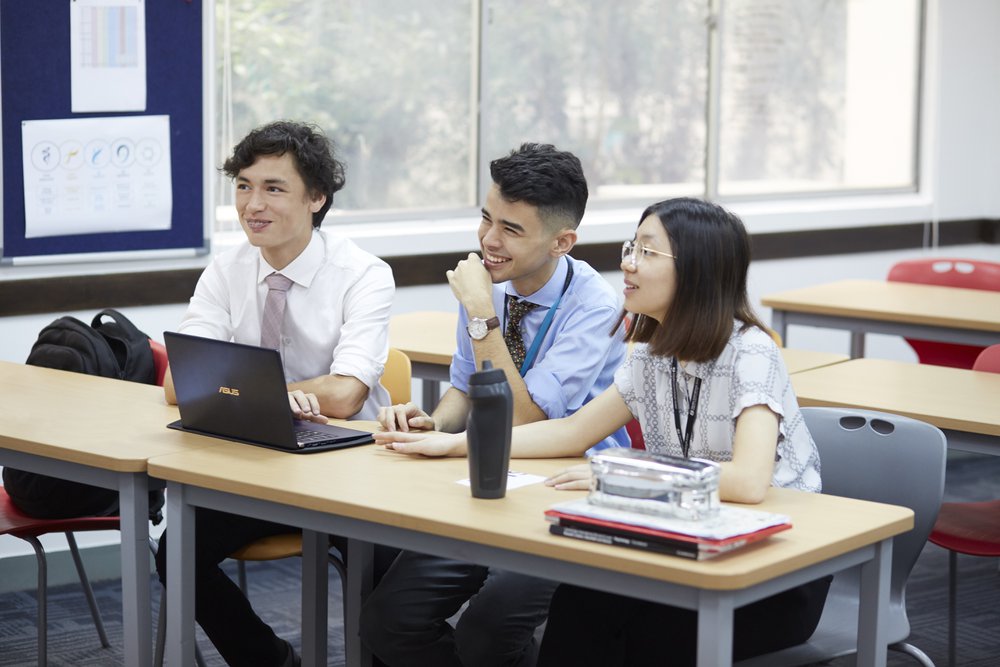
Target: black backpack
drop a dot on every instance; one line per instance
(114, 349)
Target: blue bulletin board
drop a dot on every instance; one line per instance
(35, 84)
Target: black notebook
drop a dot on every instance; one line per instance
(237, 392)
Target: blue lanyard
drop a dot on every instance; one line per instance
(536, 344)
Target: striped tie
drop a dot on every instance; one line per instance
(274, 310)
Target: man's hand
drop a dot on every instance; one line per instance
(403, 417)
(423, 444)
(571, 479)
(305, 406)
(472, 286)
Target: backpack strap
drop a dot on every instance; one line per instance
(130, 345)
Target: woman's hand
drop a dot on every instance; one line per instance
(571, 479)
(305, 406)
(423, 444)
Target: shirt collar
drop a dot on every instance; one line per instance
(550, 291)
(302, 269)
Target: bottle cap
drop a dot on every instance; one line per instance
(488, 375)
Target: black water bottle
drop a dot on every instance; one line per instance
(488, 431)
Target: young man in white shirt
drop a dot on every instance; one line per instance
(333, 340)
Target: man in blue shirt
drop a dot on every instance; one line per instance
(528, 228)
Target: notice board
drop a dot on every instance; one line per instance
(35, 85)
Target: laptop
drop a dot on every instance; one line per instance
(237, 392)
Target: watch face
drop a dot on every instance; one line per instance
(477, 329)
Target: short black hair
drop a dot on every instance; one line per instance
(712, 255)
(312, 153)
(547, 178)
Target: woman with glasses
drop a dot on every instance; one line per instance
(706, 380)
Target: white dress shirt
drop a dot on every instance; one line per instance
(336, 318)
(750, 371)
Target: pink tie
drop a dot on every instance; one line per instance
(274, 310)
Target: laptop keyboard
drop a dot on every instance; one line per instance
(307, 438)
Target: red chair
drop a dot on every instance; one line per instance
(17, 524)
(635, 434)
(159, 359)
(988, 360)
(965, 273)
(971, 528)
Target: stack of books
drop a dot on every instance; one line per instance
(731, 528)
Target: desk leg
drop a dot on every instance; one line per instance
(431, 394)
(133, 494)
(779, 325)
(857, 344)
(360, 566)
(715, 629)
(315, 585)
(180, 578)
(874, 609)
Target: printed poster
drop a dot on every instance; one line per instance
(107, 55)
(91, 175)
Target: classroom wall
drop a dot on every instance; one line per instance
(961, 164)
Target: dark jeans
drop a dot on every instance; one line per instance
(221, 609)
(588, 627)
(405, 619)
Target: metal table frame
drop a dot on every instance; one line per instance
(715, 608)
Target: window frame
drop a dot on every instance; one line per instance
(611, 220)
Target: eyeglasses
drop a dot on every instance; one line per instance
(634, 251)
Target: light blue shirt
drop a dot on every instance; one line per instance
(577, 358)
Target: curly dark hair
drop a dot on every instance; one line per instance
(311, 151)
(547, 178)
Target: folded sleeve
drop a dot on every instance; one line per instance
(564, 375)
(363, 347)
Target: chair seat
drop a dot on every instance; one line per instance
(15, 522)
(969, 528)
(271, 548)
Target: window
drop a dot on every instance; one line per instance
(659, 98)
(389, 81)
(621, 85)
(817, 95)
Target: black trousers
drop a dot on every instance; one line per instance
(221, 609)
(45, 497)
(588, 627)
(404, 621)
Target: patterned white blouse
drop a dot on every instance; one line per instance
(750, 371)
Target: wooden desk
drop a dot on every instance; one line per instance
(797, 361)
(963, 403)
(928, 312)
(374, 496)
(428, 339)
(98, 431)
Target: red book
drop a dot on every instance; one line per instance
(734, 528)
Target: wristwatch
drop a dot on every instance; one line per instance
(478, 327)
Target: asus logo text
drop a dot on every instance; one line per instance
(230, 391)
